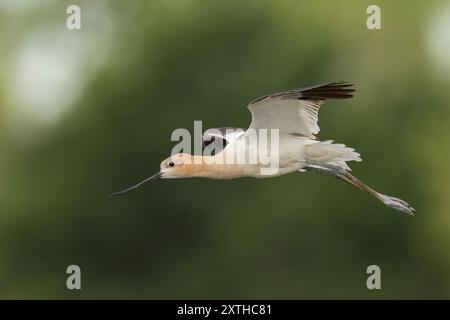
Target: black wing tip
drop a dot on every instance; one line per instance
(331, 90)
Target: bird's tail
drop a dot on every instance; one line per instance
(327, 152)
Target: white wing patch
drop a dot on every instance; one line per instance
(310, 114)
(296, 117)
(229, 134)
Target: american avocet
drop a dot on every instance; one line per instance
(294, 115)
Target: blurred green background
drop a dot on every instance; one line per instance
(88, 112)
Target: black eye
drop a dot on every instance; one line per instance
(171, 164)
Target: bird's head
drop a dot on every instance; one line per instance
(176, 166)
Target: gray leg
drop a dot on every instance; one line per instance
(344, 175)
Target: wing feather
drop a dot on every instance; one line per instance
(222, 136)
(296, 111)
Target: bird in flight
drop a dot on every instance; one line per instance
(294, 116)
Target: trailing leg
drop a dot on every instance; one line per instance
(344, 175)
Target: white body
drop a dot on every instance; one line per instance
(292, 154)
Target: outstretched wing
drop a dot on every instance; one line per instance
(296, 111)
